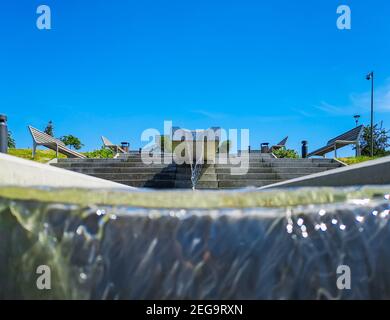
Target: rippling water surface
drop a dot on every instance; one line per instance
(282, 244)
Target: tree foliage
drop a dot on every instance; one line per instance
(49, 129)
(381, 140)
(11, 140)
(72, 141)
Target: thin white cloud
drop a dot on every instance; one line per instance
(275, 118)
(332, 109)
(360, 102)
(381, 98)
(302, 112)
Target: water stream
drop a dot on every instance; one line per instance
(107, 244)
(196, 165)
(196, 170)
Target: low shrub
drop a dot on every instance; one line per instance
(285, 153)
(102, 153)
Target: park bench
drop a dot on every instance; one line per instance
(279, 145)
(264, 147)
(108, 144)
(42, 139)
(347, 138)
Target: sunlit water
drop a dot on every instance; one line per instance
(195, 245)
(196, 170)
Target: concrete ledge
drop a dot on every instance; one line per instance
(20, 172)
(342, 163)
(374, 172)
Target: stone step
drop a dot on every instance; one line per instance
(302, 160)
(245, 183)
(139, 166)
(260, 171)
(285, 173)
(111, 162)
(124, 170)
(254, 176)
(329, 161)
(158, 184)
(254, 158)
(252, 165)
(249, 176)
(207, 185)
(203, 177)
(287, 176)
(135, 176)
(304, 165)
(188, 170)
(302, 170)
(250, 170)
(108, 165)
(199, 185)
(250, 155)
(239, 188)
(276, 167)
(88, 160)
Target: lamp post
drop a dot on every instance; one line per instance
(3, 134)
(357, 117)
(370, 76)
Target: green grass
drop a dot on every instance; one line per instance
(354, 160)
(42, 156)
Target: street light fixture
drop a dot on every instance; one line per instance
(357, 117)
(370, 76)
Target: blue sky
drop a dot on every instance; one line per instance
(115, 68)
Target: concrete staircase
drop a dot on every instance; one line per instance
(260, 170)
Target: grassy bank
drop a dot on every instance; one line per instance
(42, 156)
(354, 160)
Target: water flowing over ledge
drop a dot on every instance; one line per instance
(189, 199)
(282, 249)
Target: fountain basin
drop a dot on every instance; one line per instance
(284, 244)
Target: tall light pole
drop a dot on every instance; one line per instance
(370, 76)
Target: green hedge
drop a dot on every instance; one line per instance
(100, 153)
(285, 153)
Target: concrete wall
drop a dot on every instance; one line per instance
(20, 172)
(374, 172)
(195, 149)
